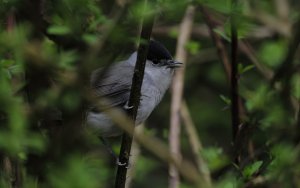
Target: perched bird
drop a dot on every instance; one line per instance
(115, 84)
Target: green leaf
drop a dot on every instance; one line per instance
(220, 6)
(59, 30)
(173, 33)
(272, 53)
(296, 86)
(6, 63)
(259, 98)
(193, 47)
(247, 68)
(89, 38)
(242, 69)
(222, 34)
(251, 169)
(78, 173)
(225, 99)
(215, 157)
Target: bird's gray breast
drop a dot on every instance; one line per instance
(155, 83)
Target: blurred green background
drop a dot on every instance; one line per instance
(48, 49)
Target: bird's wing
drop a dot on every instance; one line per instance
(113, 84)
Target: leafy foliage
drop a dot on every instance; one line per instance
(49, 48)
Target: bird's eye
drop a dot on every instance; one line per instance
(155, 61)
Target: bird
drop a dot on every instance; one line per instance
(114, 84)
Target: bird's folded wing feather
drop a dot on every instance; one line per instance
(113, 84)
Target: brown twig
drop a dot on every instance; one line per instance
(134, 99)
(217, 40)
(177, 91)
(286, 67)
(285, 72)
(279, 25)
(283, 9)
(234, 75)
(238, 110)
(195, 143)
(250, 53)
(202, 30)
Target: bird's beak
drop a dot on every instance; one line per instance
(174, 64)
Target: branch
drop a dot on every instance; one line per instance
(247, 49)
(177, 90)
(195, 143)
(235, 107)
(283, 9)
(286, 71)
(217, 40)
(285, 68)
(238, 110)
(202, 31)
(134, 99)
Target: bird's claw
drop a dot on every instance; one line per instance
(126, 107)
(127, 165)
(121, 164)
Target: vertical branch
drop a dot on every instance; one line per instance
(235, 112)
(283, 9)
(285, 72)
(135, 152)
(177, 90)
(11, 20)
(285, 68)
(237, 108)
(134, 99)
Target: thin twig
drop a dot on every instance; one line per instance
(285, 73)
(202, 30)
(283, 9)
(238, 109)
(235, 107)
(286, 67)
(280, 26)
(195, 143)
(217, 40)
(250, 53)
(177, 91)
(134, 99)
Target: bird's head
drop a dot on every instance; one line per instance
(159, 56)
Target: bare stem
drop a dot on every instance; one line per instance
(218, 41)
(134, 99)
(195, 143)
(177, 90)
(235, 107)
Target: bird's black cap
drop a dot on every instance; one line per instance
(158, 51)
